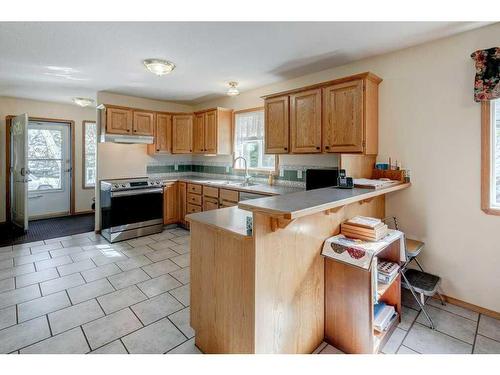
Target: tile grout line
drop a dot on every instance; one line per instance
(85, 336)
(475, 334)
(446, 334)
(407, 332)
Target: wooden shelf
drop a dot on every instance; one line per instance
(380, 338)
(383, 288)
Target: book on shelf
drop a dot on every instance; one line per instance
(383, 315)
(387, 271)
(364, 228)
(365, 222)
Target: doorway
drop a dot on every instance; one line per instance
(49, 165)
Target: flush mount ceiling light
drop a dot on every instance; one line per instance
(233, 91)
(158, 66)
(83, 102)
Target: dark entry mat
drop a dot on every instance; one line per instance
(47, 228)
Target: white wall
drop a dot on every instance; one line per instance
(429, 121)
(34, 108)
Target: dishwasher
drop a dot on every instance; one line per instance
(244, 196)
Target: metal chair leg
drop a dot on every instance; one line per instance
(418, 301)
(418, 263)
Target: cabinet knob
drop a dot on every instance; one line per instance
(317, 148)
(327, 147)
(135, 130)
(128, 130)
(286, 148)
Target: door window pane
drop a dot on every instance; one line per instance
(44, 159)
(89, 157)
(249, 141)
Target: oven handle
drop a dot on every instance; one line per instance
(136, 192)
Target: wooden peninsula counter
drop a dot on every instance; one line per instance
(264, 292)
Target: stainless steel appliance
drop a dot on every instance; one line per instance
(131, 208)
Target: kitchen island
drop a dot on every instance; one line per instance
(263, 291)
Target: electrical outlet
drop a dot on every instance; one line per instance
(282, 172)
(299, 174)
(176, 167)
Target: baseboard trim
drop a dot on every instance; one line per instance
(470, 306)
(84, 212)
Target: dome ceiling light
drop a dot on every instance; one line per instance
(83, 102)
(233, 91)
(158, 66)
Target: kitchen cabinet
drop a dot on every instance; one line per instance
(129, 121)
(170, 203)
(163, 135)
(305, 122)
(228, 198)
(212, 132)
(118, 120)
(182, 134)
(276, 125)
(182, 203)
(338, 116)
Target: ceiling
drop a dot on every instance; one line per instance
(57, 61)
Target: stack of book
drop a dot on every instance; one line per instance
(364, 228)
(386, 271)
(383, 315)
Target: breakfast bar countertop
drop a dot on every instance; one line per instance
(303, 203)
(230, 219)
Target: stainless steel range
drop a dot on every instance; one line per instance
(131, 208)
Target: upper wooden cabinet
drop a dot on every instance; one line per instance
(163, 134)
(122, 120)
(212, 132)
(276, 125)
(118, 120)
(182, 134)
(339, 116)
(305, 122)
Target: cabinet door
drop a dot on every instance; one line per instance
(143, 123)
(163, 140)
(119, 120)
(276, 125)
(343, 117)
(182, 202)
(211, 132)
(210, 204)
(199, 133)
(182, 134)
(170, 205)
(305, 122)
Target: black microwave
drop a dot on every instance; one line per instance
(321, 178)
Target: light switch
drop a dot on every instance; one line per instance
(176, 167)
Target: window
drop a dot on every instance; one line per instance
(249, 141)
(490, 174)
(45, 158)
(89, 154)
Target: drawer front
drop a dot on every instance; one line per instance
(194, 199)
(229, 195)
(210, 205)
(211, 199)
(209, 191)
(225, 204)
(192, 188)
(192, 208)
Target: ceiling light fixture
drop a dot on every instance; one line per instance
(233, 91)
(158, 66)
(83, 102)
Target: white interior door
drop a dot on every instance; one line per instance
(49, 163)
(19, 171)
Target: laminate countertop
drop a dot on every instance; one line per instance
(230, 185)
(294, 205)
(230, 219)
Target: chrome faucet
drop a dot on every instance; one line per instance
(247, 176)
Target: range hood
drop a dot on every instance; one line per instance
(118, 138)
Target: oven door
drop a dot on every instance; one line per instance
(133, 209)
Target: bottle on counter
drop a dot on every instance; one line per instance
(270, 179)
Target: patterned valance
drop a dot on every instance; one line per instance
(487, 84)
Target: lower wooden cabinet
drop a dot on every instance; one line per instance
(210, 203)
(182, 203)
(170, 203)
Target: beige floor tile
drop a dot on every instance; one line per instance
(158, 285)
(330, 350)
(6, 284)
(61, 283)
(124, 279)
(27, 245)
(181, 260)
(489, 327)
(162, 236)
(136, 251)
(160, 268)
(101, 272)
(426, 341)
(158, 337)
(53, 262)
(65, 251)
(31, 258)
(135, 262)
(69, 269)
(36, 277)
(24, 334)
(9, 263)
(115, 347)
(141, 241)
(485, 345)
(404, 350)
(157, 256)
(15, 296)
(74, 316)
(156, 308)
(70, 342)
(41, 306)
(182, 275)
(17, 271)
(187, 347)
(181, 321)
(42, 248)
(466, 313)
(181, 249)
(76, 242)
(181, 294)
(108, 257)
(120, 299)
(408, 316)
(182, 240)
(319, 348)
(111, 327)
(86, 254)
(14, 253)
(7, 317)
(162, 245)
(392, 345)
(91, 290)
(56, 239)
(6, 249)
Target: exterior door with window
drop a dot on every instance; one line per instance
(19, 171)
(49, 162)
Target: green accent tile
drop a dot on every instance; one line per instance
(290, 175)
